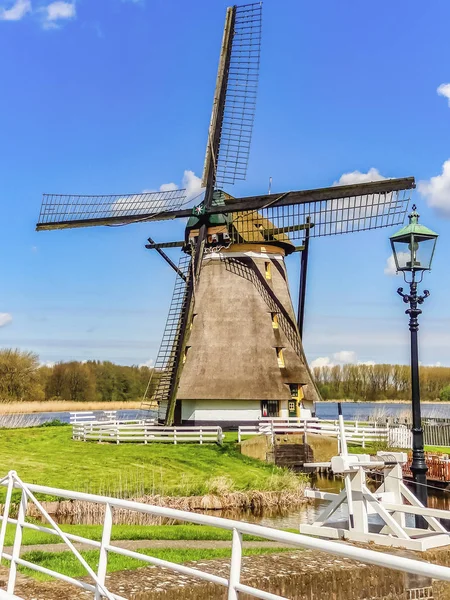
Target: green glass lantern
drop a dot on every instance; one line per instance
(413, 246)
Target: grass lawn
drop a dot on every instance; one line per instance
(67, 564)
(48, 456)
(372, 449)
(438, 449)
(129, 532)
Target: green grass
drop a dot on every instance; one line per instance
(128, 532)
(373, 448)
(439, 449)
(67, 564)
(49, 456)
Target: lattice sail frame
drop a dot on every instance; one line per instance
(59, 209)
(326, 217)
(239, 73)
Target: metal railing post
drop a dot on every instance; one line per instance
(17, 543)
(6, 513)
(103, 559)
(235, 567)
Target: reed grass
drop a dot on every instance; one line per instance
(17, 421)
(62, 406)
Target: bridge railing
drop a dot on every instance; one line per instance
(233, 583)
(356, 432)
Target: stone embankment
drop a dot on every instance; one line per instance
(296, 575)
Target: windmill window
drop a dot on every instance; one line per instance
(274, 320)
(186, 350)
(270, 408)
(268, 269)
(280, 357)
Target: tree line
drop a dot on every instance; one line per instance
(380, 382)
(23, 378)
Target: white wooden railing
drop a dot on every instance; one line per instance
(88, 416)
(356, 432)
(98, 586)
(144, 432)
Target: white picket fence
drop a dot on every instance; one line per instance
(88, 416)
(144, 432)
(356, 432)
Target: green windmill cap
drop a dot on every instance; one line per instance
(414, 227)
(215, 219)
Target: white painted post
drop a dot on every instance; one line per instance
(363, 439)
(103, 559)
(175, 437)
(235, 567)
(17, 543)
(239, 435)
(201, 436)
(6, 513)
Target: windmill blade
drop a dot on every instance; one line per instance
(60, 211)
(169, 363)
(234, 105)
(331, 211)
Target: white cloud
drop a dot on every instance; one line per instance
(5, 319)
(48, 363)
(437, 190)
(148, 363)
(321, 361)
(339, 358)
(390, 268)
(192, 184)
(151, 204)
(444, 90)
(168, 187)
(17, 11)
(345, 356)
(358, 177)
(58, 11)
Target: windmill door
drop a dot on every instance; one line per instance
(295, 400)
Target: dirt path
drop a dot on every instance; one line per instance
(156, 544)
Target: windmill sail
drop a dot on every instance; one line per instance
(234, 105)
(339, 210)
(166, 365)
(59, 211)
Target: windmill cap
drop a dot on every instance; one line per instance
(414, 227)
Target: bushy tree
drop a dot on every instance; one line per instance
(19, 376)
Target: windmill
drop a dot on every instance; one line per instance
(231, 349)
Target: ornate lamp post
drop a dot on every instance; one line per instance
(413, 250)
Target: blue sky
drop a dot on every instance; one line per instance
(114, 96)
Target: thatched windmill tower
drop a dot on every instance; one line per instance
(244, 357)
(231, 350)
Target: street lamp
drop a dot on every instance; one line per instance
(413, 249)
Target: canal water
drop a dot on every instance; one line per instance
(324, 410)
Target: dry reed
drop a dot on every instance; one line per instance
(63, 406)
(88, 513)
(17, 421)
